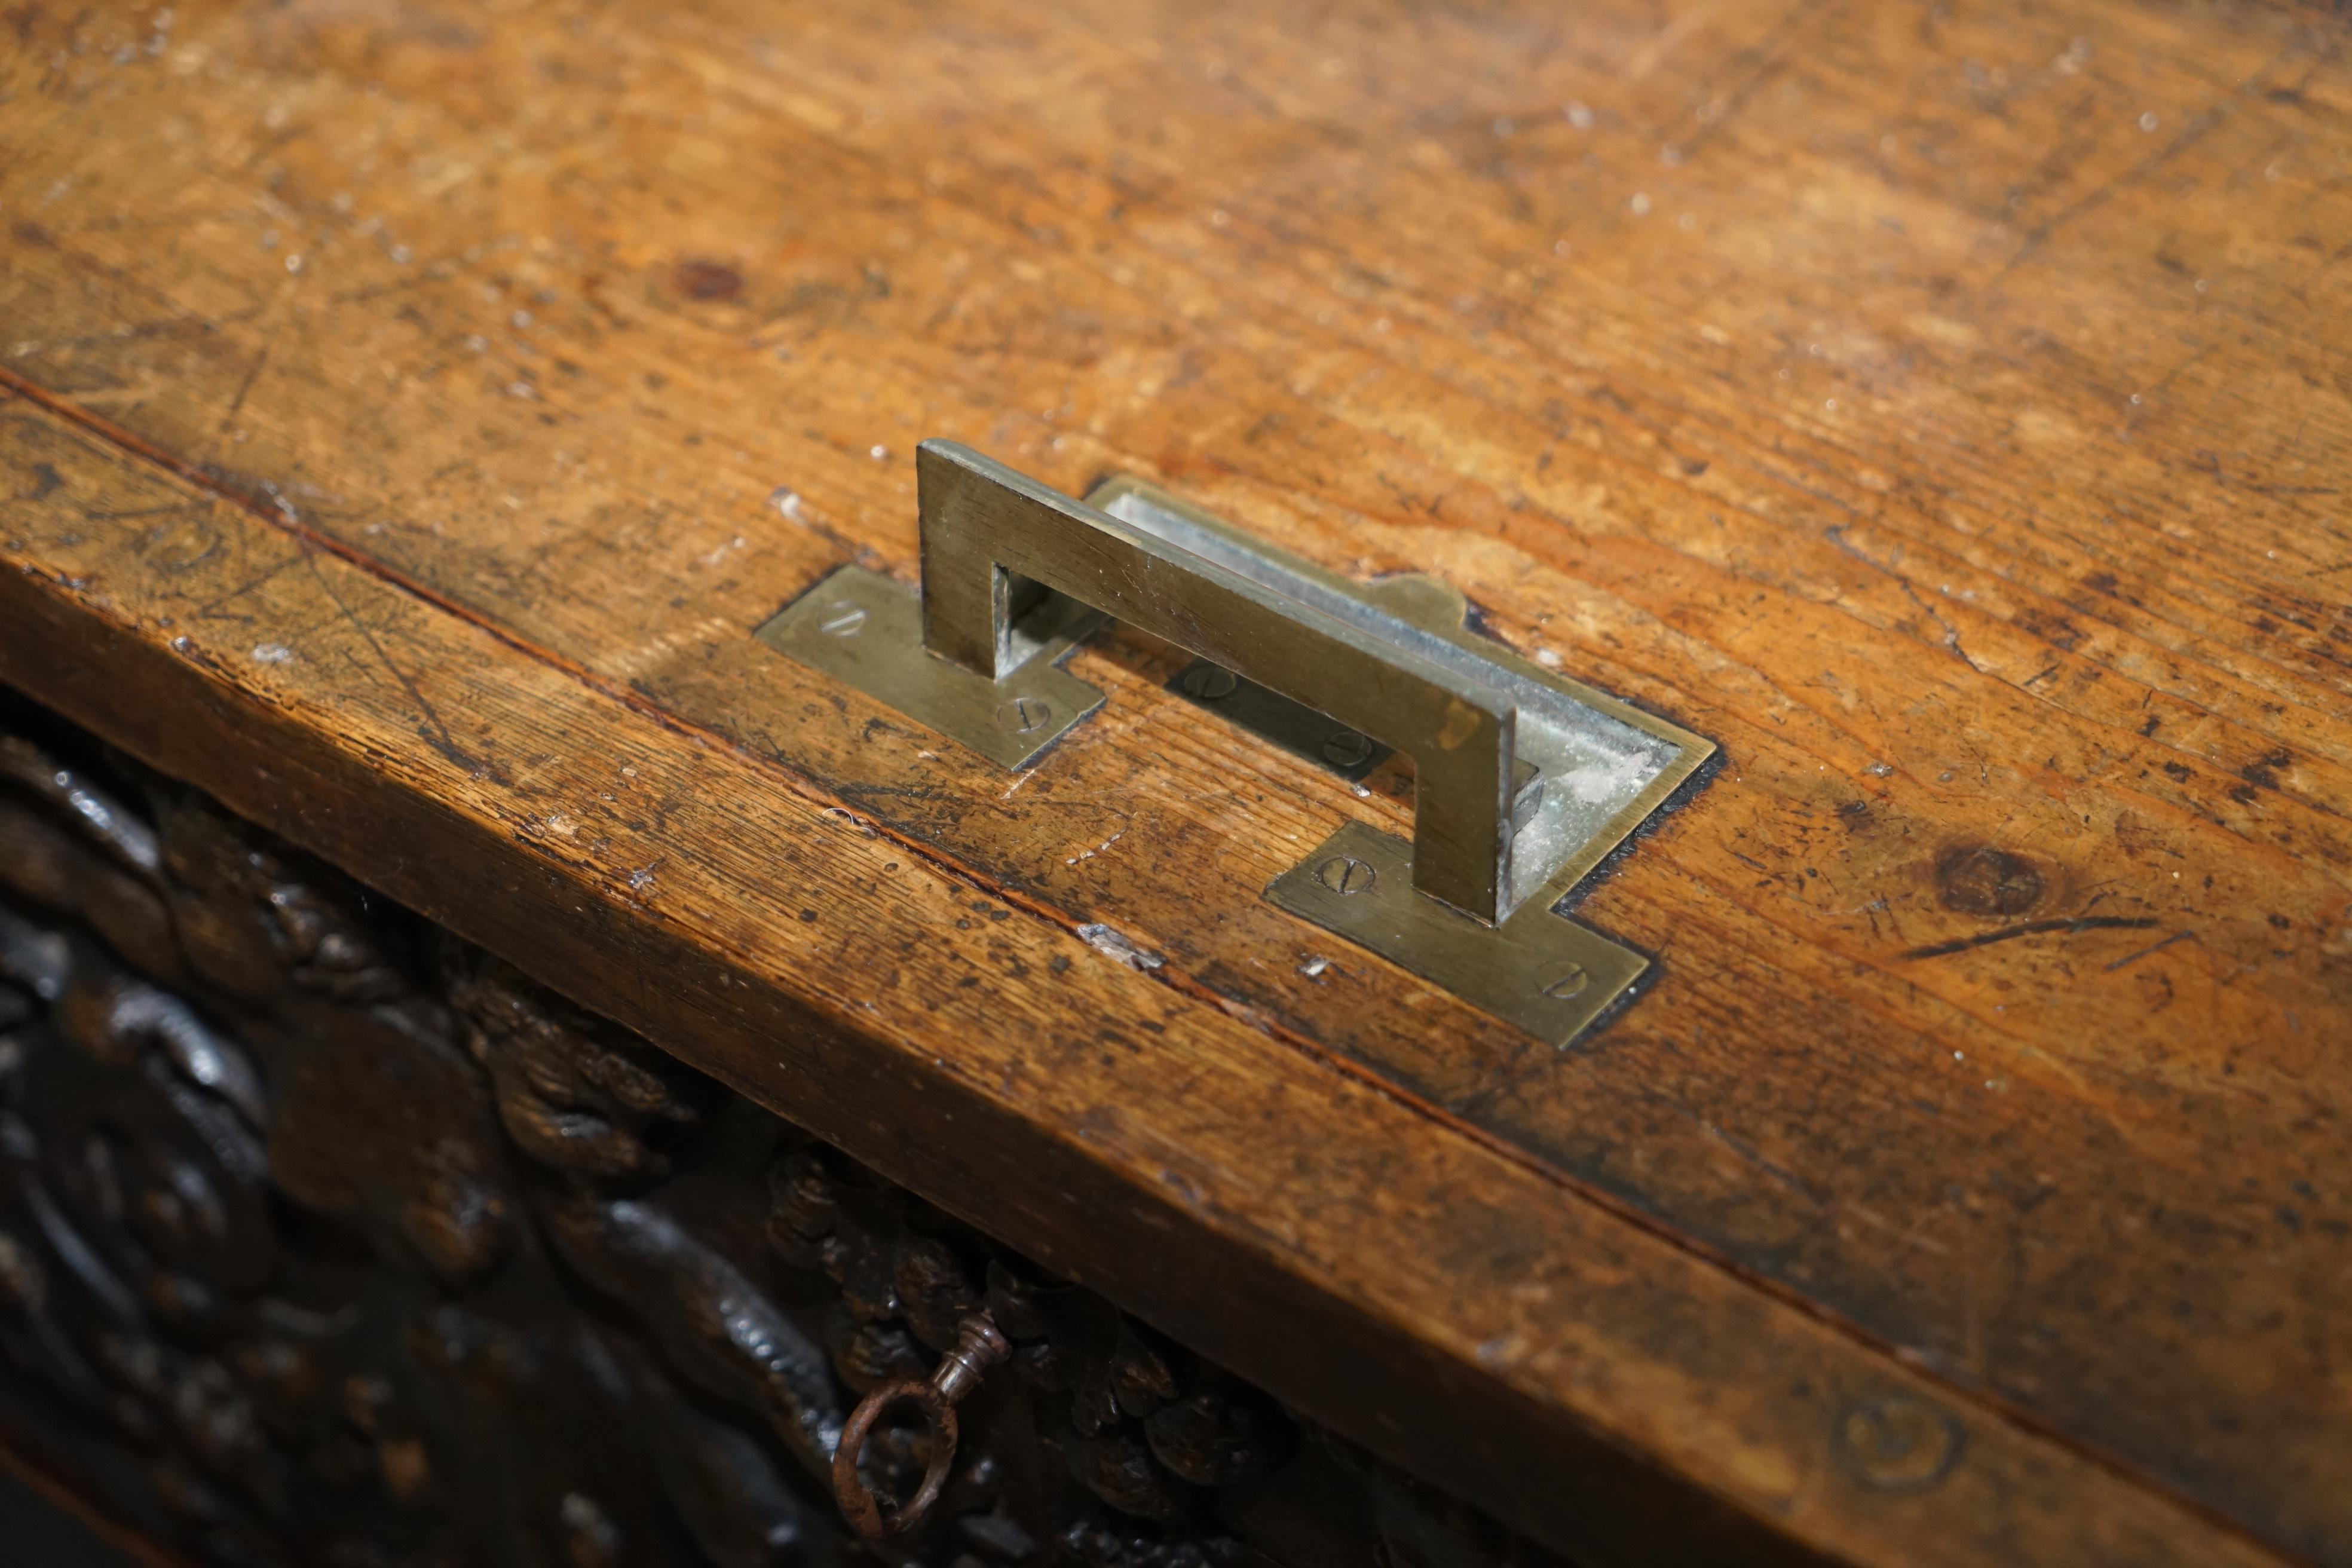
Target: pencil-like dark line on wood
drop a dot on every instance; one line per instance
(2143, 953)
(2034, 928)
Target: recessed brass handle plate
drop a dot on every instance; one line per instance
(1523, 778)
(1547, 974)
(866, 631)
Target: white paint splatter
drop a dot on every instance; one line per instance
(1090, 854)
(1112, 946)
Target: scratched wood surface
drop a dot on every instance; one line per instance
(1943, 409)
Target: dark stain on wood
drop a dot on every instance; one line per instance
(1979, 880)
(700, 277)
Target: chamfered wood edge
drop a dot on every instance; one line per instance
(214, 745)
(1536, 1464)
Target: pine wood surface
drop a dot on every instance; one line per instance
(1942, 408)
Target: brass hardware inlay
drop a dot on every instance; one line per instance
(1524, 779)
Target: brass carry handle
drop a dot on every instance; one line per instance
(1526, 778)
(986, 529)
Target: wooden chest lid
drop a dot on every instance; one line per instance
(411, 415)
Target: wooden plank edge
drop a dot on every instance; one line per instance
(1572, 1484)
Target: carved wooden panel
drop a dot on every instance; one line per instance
(327, 1238)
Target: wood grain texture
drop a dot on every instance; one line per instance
(1584, 1378)
(1943, 409)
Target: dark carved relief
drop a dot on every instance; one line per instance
(325, 1239)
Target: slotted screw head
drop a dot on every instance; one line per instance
(845, 619)
(1208, 681)
(1569, 984)
(1346, 875)
(1024, 715)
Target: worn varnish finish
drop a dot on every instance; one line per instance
(1291, 1219)
(1941, 409)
